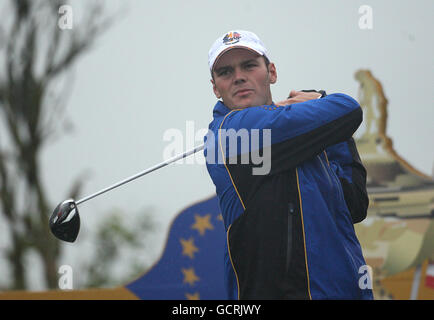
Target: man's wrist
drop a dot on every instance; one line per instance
(322, 92)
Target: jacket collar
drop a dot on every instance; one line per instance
(220, 110)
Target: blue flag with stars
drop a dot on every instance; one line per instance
(191, 266)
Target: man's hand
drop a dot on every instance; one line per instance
(299, 96)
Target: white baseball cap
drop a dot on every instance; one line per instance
(235, 39)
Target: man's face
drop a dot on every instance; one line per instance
(242, 79)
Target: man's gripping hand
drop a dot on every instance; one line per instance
(301, 96)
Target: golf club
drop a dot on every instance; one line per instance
(65, 220)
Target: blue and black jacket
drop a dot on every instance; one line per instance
(290, 232)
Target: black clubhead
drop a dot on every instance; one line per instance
(65, 221)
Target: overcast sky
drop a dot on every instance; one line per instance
(148, 73)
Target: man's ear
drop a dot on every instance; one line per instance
(214, 88)
(272, 73)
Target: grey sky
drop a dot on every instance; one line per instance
(148, 73)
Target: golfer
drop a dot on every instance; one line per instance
(290, 231)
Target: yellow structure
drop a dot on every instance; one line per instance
(398, 235)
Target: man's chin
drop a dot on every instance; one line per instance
(245, 103)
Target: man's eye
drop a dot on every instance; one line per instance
(223, 73)
(250, 65)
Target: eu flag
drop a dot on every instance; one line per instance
(191, 266)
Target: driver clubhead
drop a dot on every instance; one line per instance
(65, 221)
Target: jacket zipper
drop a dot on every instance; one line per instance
(326, 171)
(333, 180)
(338, 184)
(291, 211)
(332, 175)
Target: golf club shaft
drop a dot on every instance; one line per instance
(144, 172)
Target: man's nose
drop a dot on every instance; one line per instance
(239, 76)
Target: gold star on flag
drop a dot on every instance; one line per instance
(188, 247)
(202, 223)
(189, 276)
(194, 296)
(220, 217)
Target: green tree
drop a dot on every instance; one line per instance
(35, 55)
(112, 237)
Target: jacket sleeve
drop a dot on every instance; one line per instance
(344, 159)
(299, 131)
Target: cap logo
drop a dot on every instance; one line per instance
(231, 38)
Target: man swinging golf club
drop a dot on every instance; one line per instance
(290, 231)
